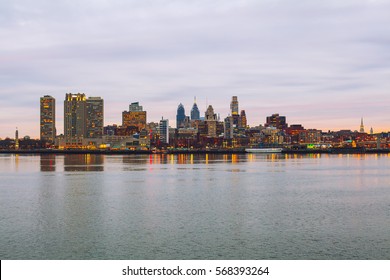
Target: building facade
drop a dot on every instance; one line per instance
(276, 121)
(135, 117)
(211, 120)
(48, 119)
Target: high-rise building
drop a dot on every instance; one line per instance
(164, 130)
(95, 117)
(228, 127)
(243, 121)
(276, 121)
(195, 114)
(180, 116)
(211, 120)
(234, 105)
(135, 117)
(48, 119)
(75, 118)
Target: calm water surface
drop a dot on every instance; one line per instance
(195, 207)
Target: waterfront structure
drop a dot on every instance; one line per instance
(95, 117)
(211, 120)
(47, 119)
(180, 116)
(135, 117)
(164, 130)
(361, 126)
(195, 114)
(75, 118)
(276, 121)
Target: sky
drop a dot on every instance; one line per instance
(322, 64)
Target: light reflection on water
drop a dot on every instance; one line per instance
(200, 206)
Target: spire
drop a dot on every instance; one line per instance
(361, 126)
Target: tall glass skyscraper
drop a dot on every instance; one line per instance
(180, 116)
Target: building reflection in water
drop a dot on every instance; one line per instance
(193, 158)
(48, 162)
(84, 162)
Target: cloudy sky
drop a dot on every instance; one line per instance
(323, 64)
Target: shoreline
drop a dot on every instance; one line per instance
(202, 151)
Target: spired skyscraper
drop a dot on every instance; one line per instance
(180, 116)
(48, 119)
(195, 114)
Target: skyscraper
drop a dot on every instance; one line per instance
(234, 111)
(228, 127)
(95, 117)
(243, 120)
(75, 118)
(48, 119)
(234, 105)
(211, 120)
(164, 130)
(180, 116)
(195, 114)
(135, 117)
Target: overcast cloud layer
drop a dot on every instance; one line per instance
(324, 64)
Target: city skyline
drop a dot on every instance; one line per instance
(322, 65)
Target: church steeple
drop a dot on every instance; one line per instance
(361, 126)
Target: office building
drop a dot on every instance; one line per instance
(47, 119)
(228, 127)
(243, 120)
